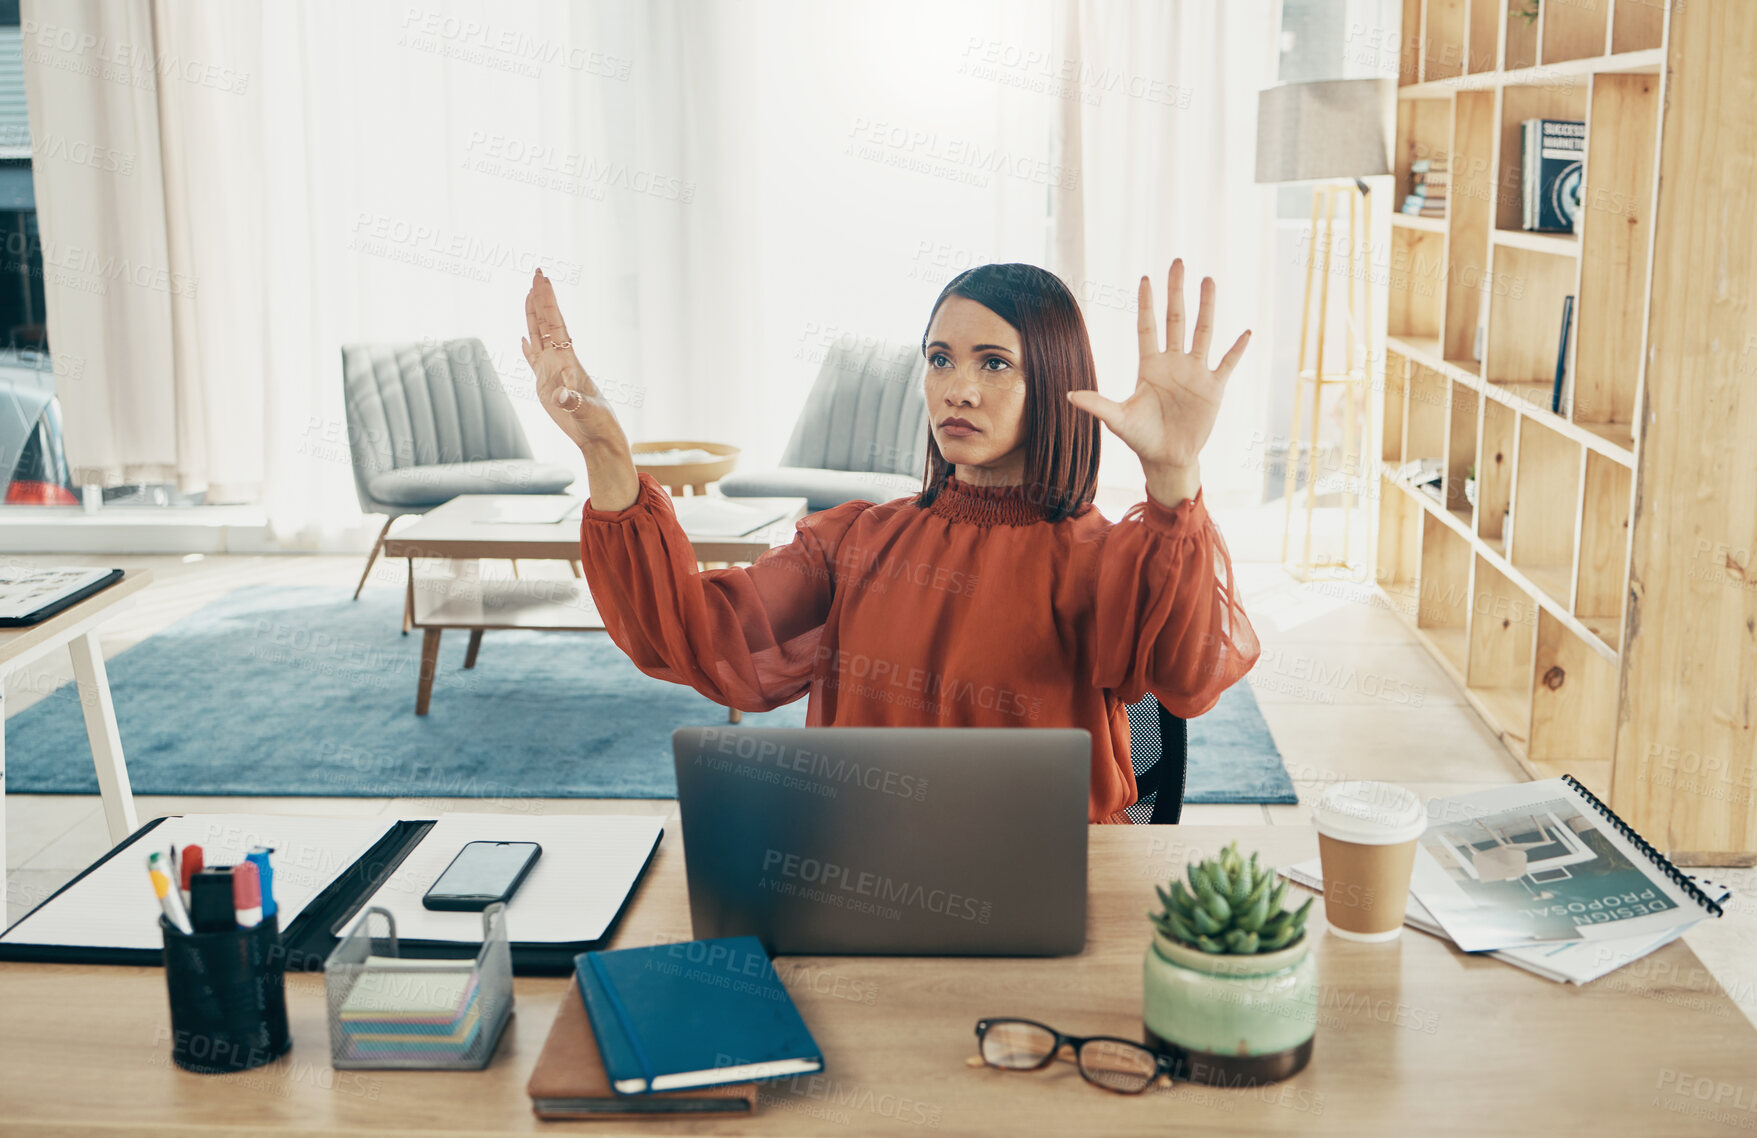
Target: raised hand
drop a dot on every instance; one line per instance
(1177, 395)
(574, 401)
(563, 387)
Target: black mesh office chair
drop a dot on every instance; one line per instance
(1159, 749)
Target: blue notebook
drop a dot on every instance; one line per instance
(697, 1013)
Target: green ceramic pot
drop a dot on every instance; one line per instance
(1232, 1020)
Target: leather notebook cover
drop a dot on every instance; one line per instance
(569, 1080)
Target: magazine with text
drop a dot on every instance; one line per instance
(1545, 861)
(1573, 961)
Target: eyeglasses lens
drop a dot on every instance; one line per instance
(1019, 1046)
(1118, 1066)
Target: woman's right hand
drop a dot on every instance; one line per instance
(566, 391)
(574, 401)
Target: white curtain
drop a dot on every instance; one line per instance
(94, 126)
(1163, 134)
(720, 191)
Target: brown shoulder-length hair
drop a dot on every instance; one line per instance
(1061, 441)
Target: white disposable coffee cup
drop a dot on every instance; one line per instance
(1366, 842)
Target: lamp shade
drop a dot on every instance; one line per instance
(1338, 128)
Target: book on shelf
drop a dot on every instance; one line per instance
(1424, 474)
(1545, 876)
(1562, 356)
(1428, 182)
(1552, 174)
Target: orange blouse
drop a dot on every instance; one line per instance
(976, 611)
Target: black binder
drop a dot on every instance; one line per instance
(315, 931)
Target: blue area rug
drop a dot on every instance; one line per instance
(1233, 758)
(298, 690)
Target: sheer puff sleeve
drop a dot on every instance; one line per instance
(745, 638)
(1167, 614)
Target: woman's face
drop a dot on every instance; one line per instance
(976, 392)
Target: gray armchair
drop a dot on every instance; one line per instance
(429, 421)
(862, 434)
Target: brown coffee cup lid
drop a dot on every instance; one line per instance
(1371, 813)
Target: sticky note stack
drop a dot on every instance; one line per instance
(412, 1009)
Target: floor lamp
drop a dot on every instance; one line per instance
(1333, 133)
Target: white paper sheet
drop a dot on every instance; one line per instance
(588, 864)
(114, 907)
(703, 516)
(542, 511)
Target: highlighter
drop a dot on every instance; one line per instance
(265, 873)
(169, 898)
(188, 866)
(246, 895)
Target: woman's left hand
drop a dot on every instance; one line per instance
(1177, 396)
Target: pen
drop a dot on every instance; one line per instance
(210, 900)
(169, 900)
(246, 895)
(265, 873)
(188, 866)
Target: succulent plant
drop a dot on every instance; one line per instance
(1231, 906)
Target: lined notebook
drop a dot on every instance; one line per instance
(590, 863)
(696, 1013)
(568, 1080)
(327, 869)
(113, 907)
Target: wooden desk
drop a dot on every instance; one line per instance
(1413, 1038)
(75, 628)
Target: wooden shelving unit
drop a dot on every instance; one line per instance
(1539, 596)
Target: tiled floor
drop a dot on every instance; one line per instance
(1345, 690)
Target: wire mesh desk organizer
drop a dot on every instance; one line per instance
(388, 1010)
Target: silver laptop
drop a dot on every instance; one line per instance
(887, 840)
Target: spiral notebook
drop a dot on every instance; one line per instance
(1546, 862)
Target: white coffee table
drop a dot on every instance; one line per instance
(75, 628)
(464, 530)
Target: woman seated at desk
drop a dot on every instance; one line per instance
(997, 596)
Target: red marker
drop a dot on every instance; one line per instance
(246, 895)
(187, 866)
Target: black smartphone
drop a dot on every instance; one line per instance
(481, 874)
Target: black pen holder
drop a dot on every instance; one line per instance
(228, 997)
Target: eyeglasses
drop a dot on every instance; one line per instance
(1119, 1065)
